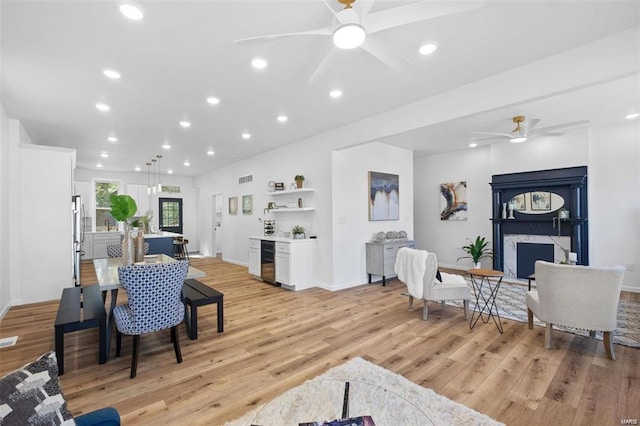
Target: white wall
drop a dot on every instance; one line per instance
(5, 292)
(351, 225)
(612, 155)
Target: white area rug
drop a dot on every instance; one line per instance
(398, 401)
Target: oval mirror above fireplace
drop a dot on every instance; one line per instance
(537, 202)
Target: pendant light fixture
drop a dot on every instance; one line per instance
(153, 187)
(159, 184)
(148, 179)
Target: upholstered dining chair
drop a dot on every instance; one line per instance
(582, 297)
(417, 270)
(154, 304)
(115, 250)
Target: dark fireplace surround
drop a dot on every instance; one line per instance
(570, 183)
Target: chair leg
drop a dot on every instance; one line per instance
(547, 336)
(530, 318)
(118, 343)
(176, 343)
(410, 302)
(465, 306)
(608, 345)
(134, 356)
(425, 310)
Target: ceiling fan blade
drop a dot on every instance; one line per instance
(315, 32)
(561, 126)
(364, 6)
(322, 66)
(415, 12)
(504, 135)
(385, 54)
(530, 124)
(331, 9)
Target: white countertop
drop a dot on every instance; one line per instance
(161, 234)
(283, 239)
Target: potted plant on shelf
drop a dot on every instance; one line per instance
(298, 232)
(477, 250)
(299, 180)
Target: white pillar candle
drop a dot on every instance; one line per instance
(573, 257)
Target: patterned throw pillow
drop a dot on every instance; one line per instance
(32, 395)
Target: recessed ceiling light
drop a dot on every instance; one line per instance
(210, 152)
(104, 155)
(213, 100)
(632, 115)
(246, 135)
(518, 139)
(335, 93)
(187, 163)
(166, 146)
(99, 165)
(283, 118)
(185, 124)
(102, 107)
(112, 74)
(131, 11)
(473, 145)
(259, 63)
(112, 139)
(349, 36)
(427, 49)
(136, 168)
(170, 171)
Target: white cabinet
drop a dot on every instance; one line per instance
(254, 257)
(101, 241)
(294, 200)
(140, 194)
(87, 246)
(295, 263)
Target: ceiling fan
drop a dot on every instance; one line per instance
(524, 130)
(355, 27)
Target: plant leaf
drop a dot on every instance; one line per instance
(122, 207)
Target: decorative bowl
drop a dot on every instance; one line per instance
(150, 258)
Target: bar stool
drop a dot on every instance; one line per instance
(180, 251)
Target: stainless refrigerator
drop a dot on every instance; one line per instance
(77, 208)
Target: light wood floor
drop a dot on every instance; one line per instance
(276, 339)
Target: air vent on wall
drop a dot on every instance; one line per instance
(245, 179)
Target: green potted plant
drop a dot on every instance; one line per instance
(123, 207)
(477, 250)
(298, 232)
(299, 180)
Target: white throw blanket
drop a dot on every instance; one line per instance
(452, 278)
(410, 267)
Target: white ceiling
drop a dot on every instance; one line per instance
(53, 53)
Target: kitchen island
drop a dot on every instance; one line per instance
(95, 243)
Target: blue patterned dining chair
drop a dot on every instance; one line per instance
(154, 304)
(115, 250)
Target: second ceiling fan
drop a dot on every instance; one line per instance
(355, 27)
(524, 130)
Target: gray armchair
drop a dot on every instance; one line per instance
(583, 297)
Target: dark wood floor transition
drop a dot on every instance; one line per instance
(275, 339)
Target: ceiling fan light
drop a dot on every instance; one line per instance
(349, 36)
(518, 139)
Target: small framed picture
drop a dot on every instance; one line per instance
(519, 202)
(233, 205)
(540, 200)
(247, 204)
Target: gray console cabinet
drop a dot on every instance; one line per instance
(381, 257)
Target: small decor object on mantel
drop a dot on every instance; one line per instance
(279, 186)
(299, 180)
(298, 232)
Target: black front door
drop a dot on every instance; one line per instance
(170, 214)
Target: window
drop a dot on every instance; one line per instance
(103, 191)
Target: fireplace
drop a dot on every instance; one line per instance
(539, 231)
